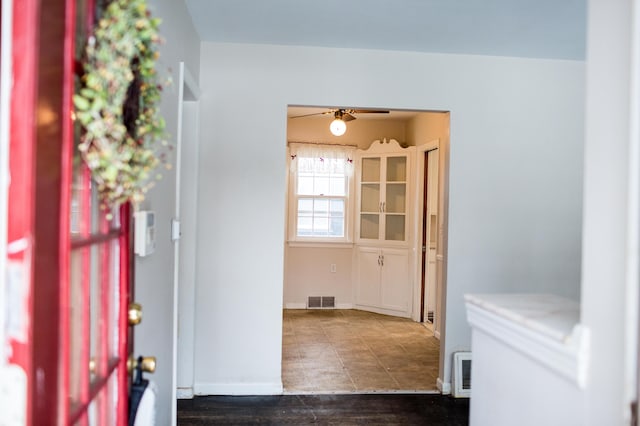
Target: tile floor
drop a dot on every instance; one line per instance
(343, 351)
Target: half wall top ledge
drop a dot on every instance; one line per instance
(543, 327)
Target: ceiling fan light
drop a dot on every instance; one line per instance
(338, 127)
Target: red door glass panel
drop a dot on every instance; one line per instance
(99, 262)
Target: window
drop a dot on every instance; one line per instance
(320, 187)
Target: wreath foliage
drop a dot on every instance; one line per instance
(117, 105)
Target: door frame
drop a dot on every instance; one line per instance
(184, 234)
(421, 150)
(443, 212)
(424, 248)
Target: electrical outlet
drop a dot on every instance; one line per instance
(333, 267)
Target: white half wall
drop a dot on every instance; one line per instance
(154, 274)
(611, 216)
(515, 182)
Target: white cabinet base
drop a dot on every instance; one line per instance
(382, 284)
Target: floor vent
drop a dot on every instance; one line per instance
(462, 374)
(318, 302)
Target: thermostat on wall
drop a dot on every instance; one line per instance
(145, 233)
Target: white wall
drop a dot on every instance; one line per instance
(154, 274)
(425, 127)
(515, 183)
(307, 273)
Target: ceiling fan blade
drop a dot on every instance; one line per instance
(368, 111)
(347, 117)
(309, 115)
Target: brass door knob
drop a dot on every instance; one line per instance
(147, 364)
(135, 314)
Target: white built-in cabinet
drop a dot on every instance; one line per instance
(383, 180)
(383, 282)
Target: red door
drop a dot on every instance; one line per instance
(73, 258)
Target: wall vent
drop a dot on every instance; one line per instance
(319, 302)
(328, 302)
(314, 302)
(462, 374)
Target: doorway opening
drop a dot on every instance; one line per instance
(354, 229)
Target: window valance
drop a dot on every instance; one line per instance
(321, 158)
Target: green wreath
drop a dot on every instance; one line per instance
(117, 105)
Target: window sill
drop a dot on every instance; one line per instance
(321, 244)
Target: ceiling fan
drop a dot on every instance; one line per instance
(341, 116)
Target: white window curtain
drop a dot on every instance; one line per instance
(321, 158)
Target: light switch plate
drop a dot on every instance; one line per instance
(175, 230)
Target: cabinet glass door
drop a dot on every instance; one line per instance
(395, 201)
(370, 205)
(383, 198)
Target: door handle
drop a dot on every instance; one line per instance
(135, 314)
(384, 206)
(382, 260)
(147, 364)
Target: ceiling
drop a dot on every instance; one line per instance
(554, 29)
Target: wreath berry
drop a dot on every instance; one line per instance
(117, 105)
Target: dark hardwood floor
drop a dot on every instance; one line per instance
(369, 409)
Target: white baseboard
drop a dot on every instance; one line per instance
(268, 388)
(383, 311)
(344, 305)
(295, 306)
(443, 387)
(184, 393)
